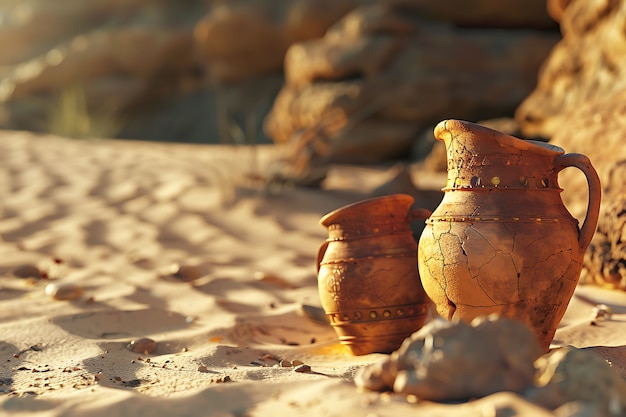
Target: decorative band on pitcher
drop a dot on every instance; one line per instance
(523, 182)
(377, 314)
(340, 232)
(501, 219)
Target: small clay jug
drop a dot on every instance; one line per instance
(367, 274)
(501, 240)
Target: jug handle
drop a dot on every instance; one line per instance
(419, 213)
(595, 193)
(320, 254)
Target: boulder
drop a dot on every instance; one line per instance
(587, 64)
(244, 39)
(383, 74)
(455, 361)
(556, 8)
(84, 68)
(32, 27)
(486, 13)
(575, 375)
(102, 74)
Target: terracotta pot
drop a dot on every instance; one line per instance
(367, 274)
(501, 241)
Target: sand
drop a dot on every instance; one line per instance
(181, 244)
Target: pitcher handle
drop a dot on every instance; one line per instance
(583, 163)
(419, 213)
(320, 254)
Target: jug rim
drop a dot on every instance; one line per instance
(535, 146)
(330, 217)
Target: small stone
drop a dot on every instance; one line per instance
(302, 368)
(285, 363)
(64, 291)
(601, 312)
(203, 368)
(223, 379)
(186, 273)
(143, 345)
(27, 271)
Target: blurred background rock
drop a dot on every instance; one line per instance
(368, 76)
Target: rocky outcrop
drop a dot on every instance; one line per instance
(245, 39)
(383, 74)
(158, 69)
(82, 68)
(150, 69)
(30, 28)
(588, 64)
(484, 13)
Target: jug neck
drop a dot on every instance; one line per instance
(480, 158)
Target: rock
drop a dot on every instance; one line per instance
(144, 346)
(95, 63)
(587, 64)
(447, 361)
(64, 291)
(138, 53)
(33, 27)
(245, 39)
(383, 74)
(302, 369)
(486, 13)
(556, 8)
(604, 263)
(27, 271)
(569, 374)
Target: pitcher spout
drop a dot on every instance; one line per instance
(482, 158)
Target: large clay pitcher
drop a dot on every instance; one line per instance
(501, 241)
(367, 274)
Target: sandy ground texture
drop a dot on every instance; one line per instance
(177, 244)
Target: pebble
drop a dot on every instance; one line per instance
(302, 368)
(143, 345)
(64, 291)
(601, 312)
(27, 271)
(285, 363)
(186, 273)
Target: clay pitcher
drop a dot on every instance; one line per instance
(501, 241)
(367, 274)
